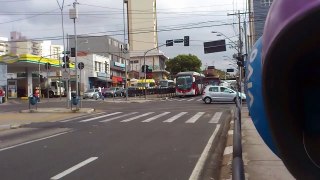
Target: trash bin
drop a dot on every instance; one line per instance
(74, 100)
(32, 100)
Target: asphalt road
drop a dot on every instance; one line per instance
(136, 141)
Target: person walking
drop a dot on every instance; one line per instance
(100, 93)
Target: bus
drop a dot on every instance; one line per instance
(167, 83)
(189, 83)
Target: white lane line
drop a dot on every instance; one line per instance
(194, 118)
(118, 117)
(70, 170)
(216, 117)
(181, 99)
(156, 117)
(199, 100)
(204, 155)
(133, 118)
(76, 118)
(29, 142)
(99, 117)
(191, 99)
(175, 117)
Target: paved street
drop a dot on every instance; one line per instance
(156, 139)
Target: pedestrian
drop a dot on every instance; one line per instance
(1, 94)
(100, 93)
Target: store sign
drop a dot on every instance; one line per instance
(12, 75)
(101, 74)
(117, 64)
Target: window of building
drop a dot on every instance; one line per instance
(136, 61)
(266, 2)
(96, 66)
(99, 67)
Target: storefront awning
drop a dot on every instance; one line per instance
(102, 79)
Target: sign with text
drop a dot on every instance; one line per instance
(214, 46)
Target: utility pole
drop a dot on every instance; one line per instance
(74, 15)
(240, 54)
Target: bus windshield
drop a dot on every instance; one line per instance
(184, 82)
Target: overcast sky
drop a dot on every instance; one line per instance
(41, 19)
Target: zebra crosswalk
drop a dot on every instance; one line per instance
(149, 117)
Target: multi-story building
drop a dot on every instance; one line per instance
(260, 11)
(96, 71)
(108, 47)
(4, 46)
(143, 38)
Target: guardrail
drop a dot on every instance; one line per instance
(162, 92)
(237, 162)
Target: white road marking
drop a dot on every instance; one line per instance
(201, 161)
(175, 117)
(70, 170)
(181, 99)
(199, 100)
(133, 118)
(190, 99)
(194, 118)
(29, 142)
(216, 117)
(99, 117)
(118, 117)
(156, 117)
(79, 117)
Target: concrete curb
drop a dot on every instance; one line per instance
(58, 110)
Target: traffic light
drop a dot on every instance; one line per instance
(186, 41)
(169, 42)
(73, 52)
(66, 62)
(240, 60)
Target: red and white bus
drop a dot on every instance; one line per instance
(189, 83)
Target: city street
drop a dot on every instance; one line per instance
(158, 139)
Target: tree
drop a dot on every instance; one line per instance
(183, 63)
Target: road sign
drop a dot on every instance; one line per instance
(178, 41)
(65, 75)
(80, 65)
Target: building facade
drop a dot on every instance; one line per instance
(96, 71)
(260, 11)
(143, 39)
(4, 46)
(108, 47)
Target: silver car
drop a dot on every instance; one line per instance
(91, 94)
(220, 93)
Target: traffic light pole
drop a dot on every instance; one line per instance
(145, 68)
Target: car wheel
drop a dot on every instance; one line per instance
(207, 100)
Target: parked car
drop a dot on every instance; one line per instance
(220, 93)
(113, 91)
(91, 94)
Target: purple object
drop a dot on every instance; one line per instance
(291, 83)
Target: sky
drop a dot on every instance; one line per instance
(42, 20)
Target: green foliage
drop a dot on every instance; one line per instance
(183, 63)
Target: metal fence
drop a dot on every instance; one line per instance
(237, 162)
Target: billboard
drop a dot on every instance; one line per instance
(214, 46)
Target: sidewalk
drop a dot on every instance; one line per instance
(260, 163)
